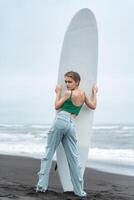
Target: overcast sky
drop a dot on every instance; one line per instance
(31, 36)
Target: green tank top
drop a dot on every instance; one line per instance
(70, 107)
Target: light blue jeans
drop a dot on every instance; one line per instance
(62, 130)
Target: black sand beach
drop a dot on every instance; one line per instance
(18, 177)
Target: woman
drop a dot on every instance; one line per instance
(63, 130)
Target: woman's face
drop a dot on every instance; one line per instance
(70, 83)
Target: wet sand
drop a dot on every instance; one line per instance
(18, 177)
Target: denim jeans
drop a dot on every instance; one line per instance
(62, 130)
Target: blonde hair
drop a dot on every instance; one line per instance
(74, 75)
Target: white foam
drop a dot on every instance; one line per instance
(114, 155)
(106, 127)
(40, 126)
(128, 128)
(23, 148)
(11, 125)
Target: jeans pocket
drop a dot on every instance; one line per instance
(60, 123)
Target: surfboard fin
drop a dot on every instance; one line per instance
(56, 167)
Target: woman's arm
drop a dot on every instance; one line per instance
(92, 101)
(59, 101)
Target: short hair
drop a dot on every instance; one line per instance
(74, 75)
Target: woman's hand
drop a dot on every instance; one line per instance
(92, 101)
(94, 89)
(58, 89)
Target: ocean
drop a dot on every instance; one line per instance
(111, 148)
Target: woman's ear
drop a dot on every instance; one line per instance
(77, 83)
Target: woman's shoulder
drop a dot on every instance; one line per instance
(82, 92)
(67, 93)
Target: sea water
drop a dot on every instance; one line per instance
(111, 147)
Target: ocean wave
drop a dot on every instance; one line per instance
(113, 155)
(20, 137)
(96, 127)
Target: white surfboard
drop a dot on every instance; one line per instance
(79, 53)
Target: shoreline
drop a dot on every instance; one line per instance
(90, 166)
(18, 177)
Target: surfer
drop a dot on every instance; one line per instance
(63, 130)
